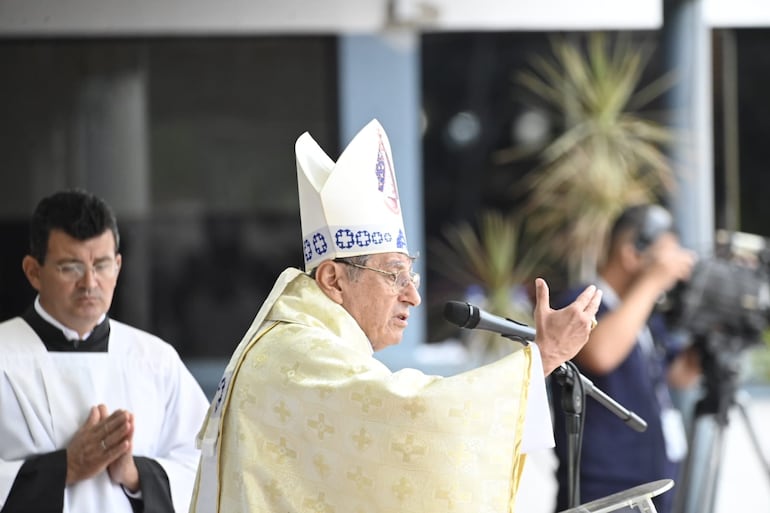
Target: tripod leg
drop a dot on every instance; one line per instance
(741, 399)
(711, 481)
(685, 479)
(699, 474)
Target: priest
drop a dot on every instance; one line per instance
(95, 415)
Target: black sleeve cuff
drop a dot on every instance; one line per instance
(39, 485)
(156, 491)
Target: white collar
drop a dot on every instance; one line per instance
(609, 296)
(69, 333)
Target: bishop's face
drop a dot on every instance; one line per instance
(77, 280)
(380, 296)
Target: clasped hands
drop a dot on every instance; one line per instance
(104, 441)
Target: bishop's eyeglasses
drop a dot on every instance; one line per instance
(399, 280)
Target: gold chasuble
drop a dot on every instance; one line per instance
(306, 420)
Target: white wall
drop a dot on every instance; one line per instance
(167, 17)
(736, 13)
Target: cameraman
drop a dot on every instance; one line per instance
(632, 357)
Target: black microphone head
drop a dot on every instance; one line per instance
(459, 313)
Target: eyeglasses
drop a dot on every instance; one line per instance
(74, 271)
(399, 280)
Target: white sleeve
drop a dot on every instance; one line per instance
(538, 430)
(179, 456)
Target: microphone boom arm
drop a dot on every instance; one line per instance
(564, 374)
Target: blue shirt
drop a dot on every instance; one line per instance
(615, 457)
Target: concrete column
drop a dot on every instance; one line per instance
(110, 159)
(687, 41)
(379, 77)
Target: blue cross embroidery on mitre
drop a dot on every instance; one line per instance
(347, 238)
(344, 238)
(319, 246)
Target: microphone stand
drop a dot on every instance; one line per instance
(575, 387)
(572, 399)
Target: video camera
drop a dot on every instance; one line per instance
(728, 294)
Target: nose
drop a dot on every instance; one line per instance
(89, 280)
(411, 295)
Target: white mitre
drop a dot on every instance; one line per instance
(350, 207)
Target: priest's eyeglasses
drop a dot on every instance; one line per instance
(399, 280)
(75, 271)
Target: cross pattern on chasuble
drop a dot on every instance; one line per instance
(282, 411)
(318, 504)
(460, 455)
(320, 426)
(323, 468)
(281, 451)
(361, 480)
(362, 439)
(409, 447)
(415, 407)
(452, 497)
(272, 490)
(467, 413)
(289, 373)
(367, 399)
(402, 489)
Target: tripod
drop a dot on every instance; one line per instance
(720, 358)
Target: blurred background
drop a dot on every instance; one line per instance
(183, 116)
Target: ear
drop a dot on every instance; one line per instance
(31, 268)
(328, 275)
(629, 256)
(119, 263)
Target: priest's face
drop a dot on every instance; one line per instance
(77, 280)
(380, 296)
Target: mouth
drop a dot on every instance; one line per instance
(87, 299)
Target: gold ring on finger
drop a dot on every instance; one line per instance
(594, 323)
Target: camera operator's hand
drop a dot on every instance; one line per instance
(667, 262)
(685, 369)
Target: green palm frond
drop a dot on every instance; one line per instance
(494, 255)
(607, 156)
(489, 256)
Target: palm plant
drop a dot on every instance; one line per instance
(492, 257)
(607, 156)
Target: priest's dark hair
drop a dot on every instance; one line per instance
(77, 213)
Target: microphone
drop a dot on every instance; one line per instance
(466, 315)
